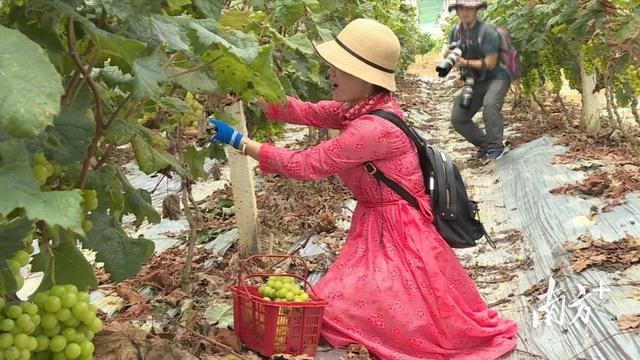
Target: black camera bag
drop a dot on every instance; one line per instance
(455, 215)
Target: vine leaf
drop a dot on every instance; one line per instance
(66, 265)
(208, 8)
(54, 207)
(151, 160)
(149, 73)
(70, 136)
(11, 235)
(137, 202)
(195, 159)
(248, 80)
(122, 255)
(29, 99)
(169, 33)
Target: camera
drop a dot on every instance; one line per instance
(467, 92)
(444, 67)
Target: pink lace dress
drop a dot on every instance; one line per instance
(396, 287)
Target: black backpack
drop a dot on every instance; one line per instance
(455, 215)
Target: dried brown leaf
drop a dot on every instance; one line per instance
(629, 322)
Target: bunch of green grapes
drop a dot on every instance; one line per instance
(68, 324)
(551, 68)
(89, 203)
(42, 169)
(282, 288)
(191, 119)
(146, 117)
(633, 76)
(530, 82)
(592, 61)
(18, 323)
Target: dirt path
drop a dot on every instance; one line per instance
(524, 219)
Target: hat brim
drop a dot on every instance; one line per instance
(479, 7)
(338, 57)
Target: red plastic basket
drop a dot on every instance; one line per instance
(271, 327)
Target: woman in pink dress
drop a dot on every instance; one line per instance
(396, 287)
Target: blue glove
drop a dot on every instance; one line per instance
(225, 134)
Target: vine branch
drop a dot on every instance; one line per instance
(98, 111)
(186, 195)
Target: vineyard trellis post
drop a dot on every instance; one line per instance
(590, 117)
(243, 190)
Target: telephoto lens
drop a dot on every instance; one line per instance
(444, 67)
(467, 93)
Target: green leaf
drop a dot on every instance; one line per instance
(220, 315)
(122, 255)
(54, 207)
(208, 8)
(109, 189)
(67, 266)
(8, 283)
(151, 160)
(113, 76)
(123, 129)
(176, 104)
(195, 159)
(244, 46)
(235, 19)
(149, 72)
(31, 86)
(325, 34)
(248, 80)
(630, 30)
(124, 9)
(48, 13)
(216, 151)
(298, 41)
(137, 202)
(193, 81)
(72, 132)
(176, 6)
(11, 235)
(48, 40)
(289, 12)
(120, 50)
(170, 33)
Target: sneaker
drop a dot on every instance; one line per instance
(495, 154)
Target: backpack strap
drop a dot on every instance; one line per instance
(439, 172)
(456, 33)
(481, 32)
(372, 170)
(379, 175)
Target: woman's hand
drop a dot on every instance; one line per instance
(225, 134)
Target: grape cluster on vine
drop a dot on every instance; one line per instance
(58, 325)
(633, 76)
(551, 68)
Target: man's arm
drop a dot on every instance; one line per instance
(490, 47)
(491, 61)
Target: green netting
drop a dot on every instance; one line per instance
(429, 11)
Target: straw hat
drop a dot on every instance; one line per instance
(468, 3)
(365, 49)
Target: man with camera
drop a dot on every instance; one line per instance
(474, 49)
